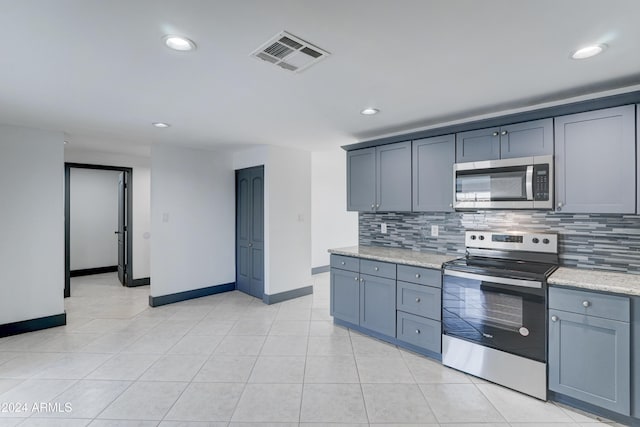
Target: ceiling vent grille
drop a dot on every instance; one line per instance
(289, 52)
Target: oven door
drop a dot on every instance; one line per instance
(501, 313)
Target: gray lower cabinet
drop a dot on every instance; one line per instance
(379, 178)
(590, 356)
(345, 295)
(595, 161)
(432, 165)
(378, 304)
(419, 331)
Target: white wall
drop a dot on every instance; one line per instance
(193, 219)
(287, 214)
(32, 226)
(331, 225)
(141, 194)
(94, 218)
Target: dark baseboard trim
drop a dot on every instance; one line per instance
(90, 271)
(31, 325)
(187, 295)
(390, 340)
(287, 295)
(140, 282)
(321, 269)
(596, 410)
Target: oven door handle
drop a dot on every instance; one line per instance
(500, 280)
(529, 182)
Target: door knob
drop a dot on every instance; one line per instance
(554, 318)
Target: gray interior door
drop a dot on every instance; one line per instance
(250, 231)
(122, 227)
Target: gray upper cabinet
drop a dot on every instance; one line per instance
(433, 160)
(638, 160)
(595, 160)
(393, 177)
(361, 180)
(475, 145)
(527, 139)
(379, 178)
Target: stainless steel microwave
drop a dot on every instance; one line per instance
(521, 183)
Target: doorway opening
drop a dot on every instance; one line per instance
(250, 231)
(122, 229)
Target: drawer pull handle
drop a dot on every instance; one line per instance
(418, 299)
(417, 275)
(586, 304)
(417, 331)
(554, 318)
(375, 268)
(342, 262)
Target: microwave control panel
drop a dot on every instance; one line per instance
(541, 182)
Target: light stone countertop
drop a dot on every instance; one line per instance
(396, 255)
(604, 281)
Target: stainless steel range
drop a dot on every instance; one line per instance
(494, 304)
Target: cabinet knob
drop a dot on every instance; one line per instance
(373, 206)
(504, 132)
(376, 268)
(417, 275)
(559, 204)
(554, 318)
(418, 299)
(417, 331)
(450, 205)
(355, 278)
(361, 279)
(495, 134)
(586, 304)
(250, 244)
(377, 206)
(342, 262)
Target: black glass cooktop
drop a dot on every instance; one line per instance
(503, 268)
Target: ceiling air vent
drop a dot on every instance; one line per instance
(289, 52)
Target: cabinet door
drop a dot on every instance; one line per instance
(433, 160)
(361, 180)
(378, 304)
(595, 159)
(393, 177)
(589, 359)
(475, 145)
(527, 139)
(345, 295)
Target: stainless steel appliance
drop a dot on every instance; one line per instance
(494, 304)
(521, 183)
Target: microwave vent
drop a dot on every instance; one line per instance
(289, 52)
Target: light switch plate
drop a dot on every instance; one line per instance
(434, 231)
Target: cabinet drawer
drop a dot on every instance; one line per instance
(345, 263)
(590, 303)
(420, 275)
(378, 268)
(421, 332)
(420, 300)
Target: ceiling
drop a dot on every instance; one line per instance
(98, 71)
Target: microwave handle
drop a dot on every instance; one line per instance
(529, 182)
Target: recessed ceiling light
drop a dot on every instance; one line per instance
(180, 43)
(161, 125)
(588, 51)
(369, 111)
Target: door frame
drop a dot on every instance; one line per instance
(128, 207)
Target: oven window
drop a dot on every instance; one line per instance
(499, 310)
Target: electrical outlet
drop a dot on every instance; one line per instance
(434, 231)
(383, 228)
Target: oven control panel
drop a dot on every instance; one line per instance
(512, 240)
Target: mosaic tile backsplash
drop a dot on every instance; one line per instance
(595, 241)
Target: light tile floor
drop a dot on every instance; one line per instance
(230, 360)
